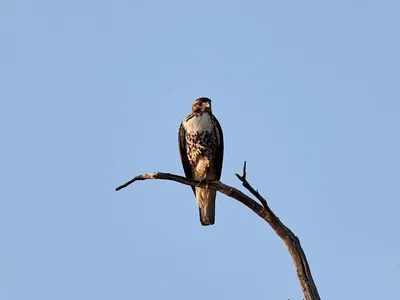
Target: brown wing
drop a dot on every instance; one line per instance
(220, 148)
(183, 152)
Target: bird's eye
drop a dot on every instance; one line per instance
(200, 103)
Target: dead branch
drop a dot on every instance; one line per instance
(291, 241)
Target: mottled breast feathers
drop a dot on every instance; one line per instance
(200, 136)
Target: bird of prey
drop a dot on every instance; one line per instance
(201, 146)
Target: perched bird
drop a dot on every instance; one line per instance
(201, 146)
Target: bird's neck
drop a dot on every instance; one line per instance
(200, 113)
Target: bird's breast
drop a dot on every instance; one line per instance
(198, 123)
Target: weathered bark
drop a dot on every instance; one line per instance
(291, 241)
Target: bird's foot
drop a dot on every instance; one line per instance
(206, 182)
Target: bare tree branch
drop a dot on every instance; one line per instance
(291, 241)
(214, 185)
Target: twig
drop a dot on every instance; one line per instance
(291, 241)
(250, 188)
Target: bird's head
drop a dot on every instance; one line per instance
(201, 105)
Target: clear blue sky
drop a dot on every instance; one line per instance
(93, 92)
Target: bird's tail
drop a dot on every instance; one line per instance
(206, 201)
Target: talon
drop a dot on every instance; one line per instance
(206, 182)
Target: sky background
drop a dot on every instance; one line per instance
(93, 92)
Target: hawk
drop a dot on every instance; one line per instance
(201, 146)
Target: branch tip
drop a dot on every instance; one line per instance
(244, 171)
